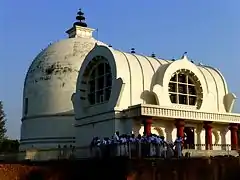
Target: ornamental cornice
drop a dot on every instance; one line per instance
(172, 113)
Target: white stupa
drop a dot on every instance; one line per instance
(48, 116)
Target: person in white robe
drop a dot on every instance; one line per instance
(152, 145)
(117, 142)
(98, 148)
(170, 152)
(139, 145)
(158, 146)
(164, 147)
(132, 145)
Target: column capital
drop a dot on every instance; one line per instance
(207, 125)
(208, 134)
(179, 123)
(148, 120)
(233, 126)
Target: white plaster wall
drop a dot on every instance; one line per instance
(103, 124)
(202, 135)
(125, 126)
(58, 130)
(228, 137)
(97, 117)
(85, 133)
(174, 134)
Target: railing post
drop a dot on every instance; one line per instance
(139, 149)
(228, 150)
(129, 150)
(120, 149)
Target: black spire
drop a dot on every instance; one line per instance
(153, 55)
(80, 17)
(133, 50)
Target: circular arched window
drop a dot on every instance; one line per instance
(185, 88)
(99, 81)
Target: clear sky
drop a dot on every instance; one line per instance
(207, 29)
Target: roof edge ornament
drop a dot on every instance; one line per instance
(184, 56)
(80, 28)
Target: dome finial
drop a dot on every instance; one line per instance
(184, 56)
(80, 17)
(80, 28)
(133, 50)
(153, 55)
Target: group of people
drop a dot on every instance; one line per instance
(140, 146)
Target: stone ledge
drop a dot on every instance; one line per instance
(173, 113)
(207, 153)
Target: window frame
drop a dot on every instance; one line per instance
(104, 96)
(184, 97)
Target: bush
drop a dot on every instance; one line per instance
(9, 146)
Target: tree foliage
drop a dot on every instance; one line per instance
(9, 146)
(3, 129)
(6, 145)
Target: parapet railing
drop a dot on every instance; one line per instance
(208, 146)
(142, 150)
(131, 150)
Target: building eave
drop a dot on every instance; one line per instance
(186, 114)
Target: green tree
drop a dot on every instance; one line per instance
(9, 146)
(3, 129)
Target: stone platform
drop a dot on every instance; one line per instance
(218, 168)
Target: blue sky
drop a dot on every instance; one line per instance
(207, 30)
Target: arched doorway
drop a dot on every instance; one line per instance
(189, 138)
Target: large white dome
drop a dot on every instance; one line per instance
(51, 79)
(48, 114)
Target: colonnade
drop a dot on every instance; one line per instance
(207, 125)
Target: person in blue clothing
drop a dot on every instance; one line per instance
(178, 146)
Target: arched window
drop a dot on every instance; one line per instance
(25, 106)
(99, 81)
(184, 88)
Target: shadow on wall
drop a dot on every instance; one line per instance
(149, 97)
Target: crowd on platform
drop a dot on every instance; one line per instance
(141, 146)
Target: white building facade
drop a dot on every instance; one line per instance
(126, 92)
(79, 88)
